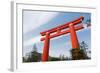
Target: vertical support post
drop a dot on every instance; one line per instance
(75, 45)
(45, 54)
(73, 35)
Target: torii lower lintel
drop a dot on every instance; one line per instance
(63, 32)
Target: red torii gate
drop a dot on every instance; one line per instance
(70, 28)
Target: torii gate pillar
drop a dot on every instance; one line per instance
(45, 54)
(75, 44)
(74, 39)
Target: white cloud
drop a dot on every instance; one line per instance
(84, 29)
(33, 19)
(32, 41)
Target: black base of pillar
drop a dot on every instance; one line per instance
(78, 54)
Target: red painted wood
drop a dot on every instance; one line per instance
(60, 31)
(73, 36)
(76, 21)
(63, 32)
(45, 54)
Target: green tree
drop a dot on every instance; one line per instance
(88, 22)
(84, 46)
(34, 48)
(33, 56)
(81, 52)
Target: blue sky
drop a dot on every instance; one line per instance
(35, 22)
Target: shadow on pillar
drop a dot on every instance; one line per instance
(78, 54)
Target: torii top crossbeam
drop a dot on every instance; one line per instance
(61, 27)
(76, 21)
